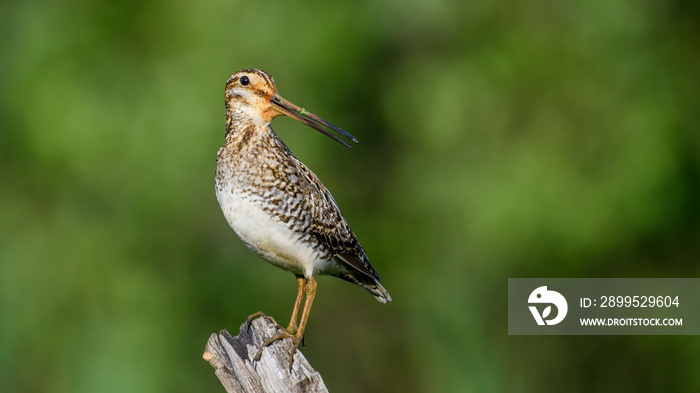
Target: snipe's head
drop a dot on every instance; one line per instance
(251, 96)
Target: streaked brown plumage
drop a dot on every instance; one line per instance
(276, 205)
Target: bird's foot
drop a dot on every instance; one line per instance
(258, 314)
(297, 337)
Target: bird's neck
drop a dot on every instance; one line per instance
(239, 119)
(246, 135)
(244, 114)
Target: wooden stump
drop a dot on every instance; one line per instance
(232, 358)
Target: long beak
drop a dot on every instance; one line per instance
(285, 107)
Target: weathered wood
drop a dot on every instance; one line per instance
(232, 358)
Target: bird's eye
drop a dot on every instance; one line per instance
(245, 81)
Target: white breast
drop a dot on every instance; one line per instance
(264, 234)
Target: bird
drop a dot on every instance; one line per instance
(277, 206)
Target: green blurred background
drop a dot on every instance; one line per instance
(498, 139)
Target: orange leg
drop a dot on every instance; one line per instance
(307, 288)
(299, 337)
(301, 283)
(292, 327)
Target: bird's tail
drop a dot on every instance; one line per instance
(370, 284)
(377, 290)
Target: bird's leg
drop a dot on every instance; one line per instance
(291, 330)
(301, 284)
(307, 287)
(299, 336)
(292, 327)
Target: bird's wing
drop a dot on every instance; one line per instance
(329, 227)
(360, 263)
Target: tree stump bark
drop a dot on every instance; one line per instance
(232, 358)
